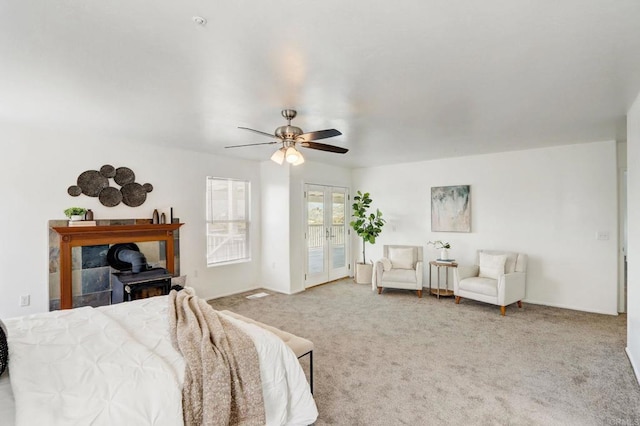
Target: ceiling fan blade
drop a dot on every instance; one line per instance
(271, 135)
(320, 134)
(253, 144)
(324, 147)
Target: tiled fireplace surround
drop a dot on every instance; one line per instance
(91, 273)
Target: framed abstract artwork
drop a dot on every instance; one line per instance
(451, 208)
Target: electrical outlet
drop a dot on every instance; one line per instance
(195, 273)
(25, 300)
(602, 235)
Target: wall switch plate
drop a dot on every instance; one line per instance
(602, 235)
(25, 300)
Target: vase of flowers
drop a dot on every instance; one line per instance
(443, 246)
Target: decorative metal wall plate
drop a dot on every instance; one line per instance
(74, 190)
(124, 175)
(95, 183)
(110, 196)
(108, 171)
(133, 194)
(92, 182)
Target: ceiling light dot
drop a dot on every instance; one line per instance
(199, 20)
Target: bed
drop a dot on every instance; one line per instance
(116, 365)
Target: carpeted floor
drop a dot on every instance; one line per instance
(395, 359)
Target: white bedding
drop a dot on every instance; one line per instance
(116, 365)
(7, 406)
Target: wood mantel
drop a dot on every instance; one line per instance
(74, 236)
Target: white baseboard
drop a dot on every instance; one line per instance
(634, 365)
(573, 308)
(262, 287)
(234, 293)
(266, 287)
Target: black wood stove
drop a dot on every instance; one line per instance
(136, 280)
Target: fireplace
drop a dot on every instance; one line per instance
(135, 279)
(87, 246)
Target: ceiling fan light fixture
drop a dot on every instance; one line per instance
(290, 135)
(292, 155)
(300, 160)
(278, 156)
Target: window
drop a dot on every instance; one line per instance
(228, 207)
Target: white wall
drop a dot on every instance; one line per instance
(633, 236)
(547, 203)
(275, 227)
(622, 224)
(283, 225)
(38, 167)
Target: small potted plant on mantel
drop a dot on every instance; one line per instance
(443, 246)
(75, 213)
(368, 227)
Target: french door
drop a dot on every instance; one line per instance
(326, 233)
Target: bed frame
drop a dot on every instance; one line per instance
(300, 346)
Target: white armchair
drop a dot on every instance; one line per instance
(499, 277)
(401, 267)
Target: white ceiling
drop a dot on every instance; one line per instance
(404, 81)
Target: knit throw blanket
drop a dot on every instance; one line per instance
(222, 383)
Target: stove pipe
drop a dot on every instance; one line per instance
(125, 257)
(135, 258)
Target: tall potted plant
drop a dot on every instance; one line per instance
(368, 226)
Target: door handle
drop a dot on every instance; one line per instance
(327, 233)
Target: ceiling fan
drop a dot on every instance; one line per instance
(289, 136)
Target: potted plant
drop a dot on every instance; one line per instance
(368, 226)
(75, 213)
(443, 246)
